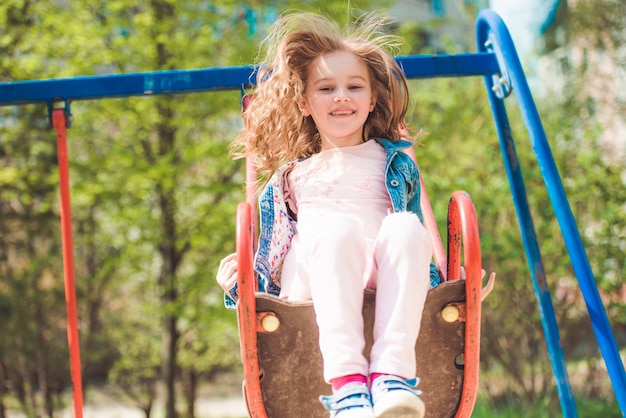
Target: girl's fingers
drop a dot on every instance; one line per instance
(227, 272)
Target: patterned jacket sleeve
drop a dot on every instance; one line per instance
(277, 228)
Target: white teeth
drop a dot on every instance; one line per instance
(342, 113)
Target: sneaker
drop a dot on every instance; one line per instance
(351, 401)
(394, 397)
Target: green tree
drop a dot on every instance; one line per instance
(31, 295)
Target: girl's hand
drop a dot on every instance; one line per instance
(227, 272)
(490, 282)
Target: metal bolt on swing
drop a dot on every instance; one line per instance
(450, 313)
(270, 323)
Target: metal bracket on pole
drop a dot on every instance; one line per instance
(60, 104)
(502, 86)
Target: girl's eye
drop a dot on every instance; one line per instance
(326, 88)
(355, 87)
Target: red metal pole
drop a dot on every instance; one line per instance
(462, 220)
(251, 198)
(251, 179)
(246, 310)
(59, 123)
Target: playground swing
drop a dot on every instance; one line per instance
(451, 318)
(281, 359)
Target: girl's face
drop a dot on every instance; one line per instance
(338, 96)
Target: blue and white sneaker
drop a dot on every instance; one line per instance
(351, 401)
(394, 397)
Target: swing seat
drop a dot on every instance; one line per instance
(279, 339)
(291, 364)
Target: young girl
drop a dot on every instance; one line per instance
(341, 211)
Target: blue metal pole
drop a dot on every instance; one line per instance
(533, 255)
(490, 27)
(210, 79)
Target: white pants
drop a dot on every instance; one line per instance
(333, 262)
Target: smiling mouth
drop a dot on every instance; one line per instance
(342, 113)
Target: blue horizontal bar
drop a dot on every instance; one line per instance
(124, 85)
(211, 79)
(459, 65)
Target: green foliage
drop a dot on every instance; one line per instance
(586, 407)
(135, 337)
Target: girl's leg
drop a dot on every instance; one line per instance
(402, 255)
(336, 264)
(294, 285)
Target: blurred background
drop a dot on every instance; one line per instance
(154, 193)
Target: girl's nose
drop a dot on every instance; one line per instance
(341, 95)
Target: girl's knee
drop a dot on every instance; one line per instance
(405, 230)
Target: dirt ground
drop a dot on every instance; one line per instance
(231, 407)
(220, 399)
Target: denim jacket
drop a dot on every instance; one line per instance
(277, 226)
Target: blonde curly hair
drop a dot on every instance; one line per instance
(275, 130)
